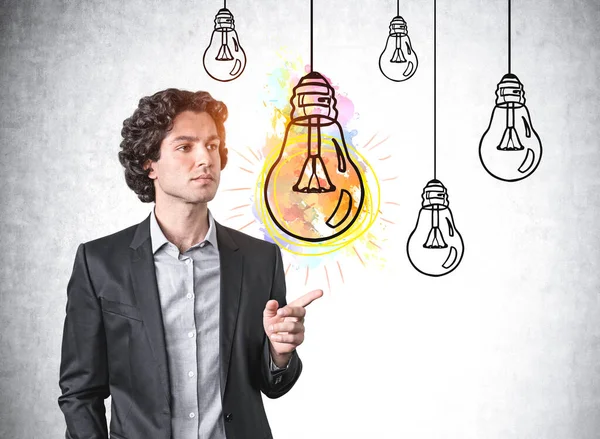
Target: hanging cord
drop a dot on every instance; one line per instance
(398, 8)
(434, 91)
(224, 4)
(311, 36)
(509, 32)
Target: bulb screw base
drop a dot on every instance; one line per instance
(435, 194)
(224, 20)
(509, 92)
(313, 101)
(398, 27)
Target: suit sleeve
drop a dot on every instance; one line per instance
(278, 383)
(83, 367)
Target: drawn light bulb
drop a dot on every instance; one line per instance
(313, 190)
(435, 247)
(510, 149)
(224, 58)
(398, 61)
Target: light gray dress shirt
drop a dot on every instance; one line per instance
(189, 290)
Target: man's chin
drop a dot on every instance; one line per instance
(201, 198)
(196, 196)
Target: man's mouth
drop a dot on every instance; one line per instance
(203, 177)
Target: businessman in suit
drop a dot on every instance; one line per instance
(181, 320)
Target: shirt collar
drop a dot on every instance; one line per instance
(159, 239)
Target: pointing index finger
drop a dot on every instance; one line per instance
(307, 299)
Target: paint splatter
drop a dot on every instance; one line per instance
(363, 241)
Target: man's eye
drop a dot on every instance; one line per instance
(183, 147)
(213, 146)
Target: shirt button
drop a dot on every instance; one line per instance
(203, 245)
(191, 334)
(191, 373)
(189, 295)
(192, 415)
(188, 261)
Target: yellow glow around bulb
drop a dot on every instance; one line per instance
(366, 218)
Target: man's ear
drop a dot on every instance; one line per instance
(148, 166)
(223, 153)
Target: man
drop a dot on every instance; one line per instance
(181, 320)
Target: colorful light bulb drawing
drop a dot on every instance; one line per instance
(398, 61)
(224, 58)
(364, 240)
(314, 191)
(435, 247)
(510, 149)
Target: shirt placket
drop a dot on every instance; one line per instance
(190, 372)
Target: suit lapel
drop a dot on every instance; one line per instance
(231, 282)
(145, 289)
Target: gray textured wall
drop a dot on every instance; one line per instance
(505, 347)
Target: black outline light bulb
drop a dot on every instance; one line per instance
(224, 58)
(398, 61)
(510, 149)
(315, 155)
(435, 247)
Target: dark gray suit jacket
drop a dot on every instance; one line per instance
(113, 340)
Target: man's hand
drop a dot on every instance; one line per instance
(285, 326)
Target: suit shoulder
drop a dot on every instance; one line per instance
(112, 242)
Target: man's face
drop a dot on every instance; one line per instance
(189, 166)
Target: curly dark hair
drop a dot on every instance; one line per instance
(150, 123)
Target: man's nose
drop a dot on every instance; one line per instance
(203, 157)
